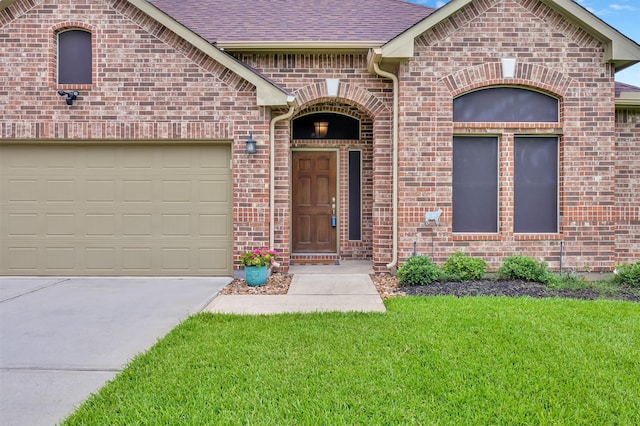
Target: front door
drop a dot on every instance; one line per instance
(313, 201)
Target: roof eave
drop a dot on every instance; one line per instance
(297, 46)
(401, 47)
(267, 93)
(620, 50)
(628, 100)
(6, 3)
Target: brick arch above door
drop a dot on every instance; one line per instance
(339, 106)
(349, 94)
(490, 74)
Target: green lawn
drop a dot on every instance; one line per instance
(438, 360)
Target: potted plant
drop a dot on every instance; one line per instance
(256, 265)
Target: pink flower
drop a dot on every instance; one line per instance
(259, 257)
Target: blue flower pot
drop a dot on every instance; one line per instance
(256, 275)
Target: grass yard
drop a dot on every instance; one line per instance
(438, 360)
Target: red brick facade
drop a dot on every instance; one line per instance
(360, 95)
(151, 85)
(553, 56)
(627, 185)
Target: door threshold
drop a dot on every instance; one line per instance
(314, 259)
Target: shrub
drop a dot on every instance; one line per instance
(527, 269)
(419, 270)
(628, 274)
(567, 280)
(462, 267)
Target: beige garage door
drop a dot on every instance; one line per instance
(115, 210)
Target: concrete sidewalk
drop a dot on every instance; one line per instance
(319, 288)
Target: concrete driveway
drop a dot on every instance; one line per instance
(62, 338)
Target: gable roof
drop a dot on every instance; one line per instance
(285, 24)
(620, 50)
(267, 92)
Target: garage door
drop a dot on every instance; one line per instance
(115, 210)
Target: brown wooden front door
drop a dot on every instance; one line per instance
(313, 194)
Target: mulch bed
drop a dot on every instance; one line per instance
(388, 286)
(277, 283)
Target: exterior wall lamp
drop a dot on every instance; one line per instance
(321, 128)
(71, 96)
(251, 144)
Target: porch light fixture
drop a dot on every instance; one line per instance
(71, 96)
(321, 127)
(251, 144)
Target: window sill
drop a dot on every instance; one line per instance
(538, 237)
(477, 237)
(73, 87)
(472, 128)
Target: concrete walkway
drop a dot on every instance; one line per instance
(318, 288)
(62, 338)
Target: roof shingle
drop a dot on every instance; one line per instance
(224, 21)
(624, 87)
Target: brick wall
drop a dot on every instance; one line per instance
(360, 95)
(151, 85)
(464, 53)
(628, 185)
(148, 85)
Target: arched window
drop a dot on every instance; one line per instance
(534, 161)
(75, 57)
(326, 125)
(505, 104)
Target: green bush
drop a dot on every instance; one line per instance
(567, 280)
(419, 270)
(527, 269)
(628, 274)
(462, 267)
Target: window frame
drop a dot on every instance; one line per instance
(54, 55)
(557, 182)
(60, 58)
(496, 138)
(352, 200)
(334, 118)
(501, 88)
(507, 133)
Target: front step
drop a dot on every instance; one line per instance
(314, 259)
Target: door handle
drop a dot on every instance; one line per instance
(334, 220)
